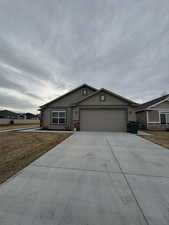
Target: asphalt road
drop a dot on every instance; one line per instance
(91, 179)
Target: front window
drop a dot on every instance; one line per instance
(59, 117)
(164, 118)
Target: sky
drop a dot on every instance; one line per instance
(50, 47)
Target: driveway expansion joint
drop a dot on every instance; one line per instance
(76, 169)
(100, 171)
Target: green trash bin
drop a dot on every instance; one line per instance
(132, 127)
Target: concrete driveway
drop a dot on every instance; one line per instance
(91, 179)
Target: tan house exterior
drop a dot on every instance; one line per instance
(154, 115)
(87, 109)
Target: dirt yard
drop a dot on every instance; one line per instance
(17, 150)
(159, 137)
(16, 126)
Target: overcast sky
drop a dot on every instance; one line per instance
(48, 47)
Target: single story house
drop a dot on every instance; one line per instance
(6, 114)
(154, 115)
(86, 108)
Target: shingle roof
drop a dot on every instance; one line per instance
(152, 102)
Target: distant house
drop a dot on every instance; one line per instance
(88, 109)
(154, 115)
(6, 114)
(31, 116)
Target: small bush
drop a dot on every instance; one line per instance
(11, 122)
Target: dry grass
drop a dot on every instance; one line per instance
(159, 137)
(17, 150)
(16, 126)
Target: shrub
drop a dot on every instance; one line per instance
(11, 122)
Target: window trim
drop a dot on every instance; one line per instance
(58, 111)
(167, 119)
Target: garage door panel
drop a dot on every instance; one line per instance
(103, 120)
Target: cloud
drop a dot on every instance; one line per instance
(5, 83)
(49, 47)
(14, 102)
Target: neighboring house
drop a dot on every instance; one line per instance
(88, 109)
(6, 114)
(154, 115)
(31, 116)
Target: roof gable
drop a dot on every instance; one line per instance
(113, 99)
(70, 94)
(152, 103)
(8, 113)
(163, 105)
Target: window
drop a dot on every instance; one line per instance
(164, 118)
(58, 117)
(102, 98)
(84, 91)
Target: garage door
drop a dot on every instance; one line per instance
(103, 120)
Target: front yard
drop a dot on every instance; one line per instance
(16, 126)
(159, 137)
(17, 150)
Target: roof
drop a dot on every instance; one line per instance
(111, 93)
(145, 105)
(58, 98)
(7, 113)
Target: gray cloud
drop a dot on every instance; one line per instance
(9, 84)
(48, 47)
(13, 102)
(5, 83)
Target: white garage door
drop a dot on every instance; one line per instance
(103, 120)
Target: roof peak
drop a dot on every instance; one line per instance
(109, 92)
(152, 102)
(71, 91)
